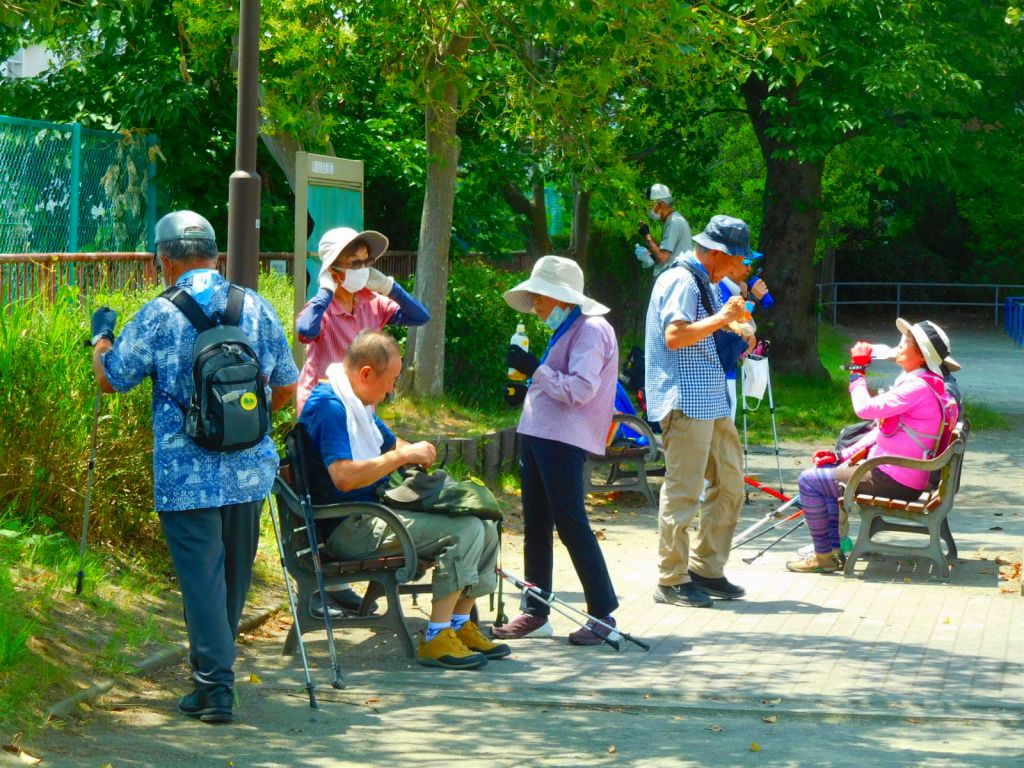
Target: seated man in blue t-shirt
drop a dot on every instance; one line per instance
(353, 454)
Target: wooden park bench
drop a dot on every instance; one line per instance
(626, 461)
(927, 515)
(387, 573)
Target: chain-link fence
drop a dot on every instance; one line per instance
(65, 188)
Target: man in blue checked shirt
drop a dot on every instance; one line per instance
(209, 502)
(686, 394)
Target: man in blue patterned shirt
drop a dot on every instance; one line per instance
(686, 394)
(209, 502)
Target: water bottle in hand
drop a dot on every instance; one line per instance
(882, 352)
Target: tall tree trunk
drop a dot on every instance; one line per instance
(535, 229)
(579, 239)
(441, 123)
(792, 218)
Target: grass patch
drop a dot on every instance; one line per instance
(429, 419)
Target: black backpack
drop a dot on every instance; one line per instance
(228, 410)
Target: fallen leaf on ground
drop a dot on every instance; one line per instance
(84, 707)
(373, 701)
(599, 534)
(716, 728)
(255, 679)
(755, 747)
(612, 750)
(647, 695)
(23, 756)
(770, 718)
(913, 721)
(771, 702)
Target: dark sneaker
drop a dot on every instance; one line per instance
(345, 602)
(316, 607)
(524, 625)
(594, 634)
(683, 594)
(209, 706)
(720, 587)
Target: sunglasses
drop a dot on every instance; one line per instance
(352, 264)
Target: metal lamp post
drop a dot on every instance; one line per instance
(244, 186)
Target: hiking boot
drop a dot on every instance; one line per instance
(688, 594)
(524, 625)
(213, 706)
(816, 563)
(720, 587)
(446, 650)
(593, 633)
(475, 640)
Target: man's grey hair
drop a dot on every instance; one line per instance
(188, 250)
(373, 348)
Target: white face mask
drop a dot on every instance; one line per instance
(355, 279)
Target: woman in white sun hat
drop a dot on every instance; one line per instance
(914, 419)
(566, 415)
(352, 296)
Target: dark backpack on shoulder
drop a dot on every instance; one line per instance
(228, 410)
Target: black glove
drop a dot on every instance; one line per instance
(643, 229)
(522, 360)
(515, 393)
(103, 321)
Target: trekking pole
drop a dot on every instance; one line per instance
(84, 541)
(299, 468)
(749, 560)
(775, 431)
(310, 688)
(551, 601)
(752, 531)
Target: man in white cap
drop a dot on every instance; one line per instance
(686, 393)
(675, 232)
(566, 415)
(352, 296)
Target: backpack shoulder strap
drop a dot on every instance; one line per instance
(704, 298)
(233, 311)
(189, 307)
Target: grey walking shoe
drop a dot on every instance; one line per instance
(688, 594)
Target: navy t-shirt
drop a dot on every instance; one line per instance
(324, 418)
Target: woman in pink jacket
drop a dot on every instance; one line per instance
(914, 419)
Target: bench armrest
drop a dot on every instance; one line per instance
(348, 509)
(929, 465)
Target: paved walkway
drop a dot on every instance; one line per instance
(892, 666)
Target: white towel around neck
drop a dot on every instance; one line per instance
(363, 434)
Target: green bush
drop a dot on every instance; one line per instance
(478, 326)
(47, 391)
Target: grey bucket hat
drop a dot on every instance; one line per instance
(419, 489)
(726, 234)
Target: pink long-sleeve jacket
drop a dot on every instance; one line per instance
(910, 418)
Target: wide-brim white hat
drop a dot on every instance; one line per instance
(557, 278)
(933, 343)
(336, 240)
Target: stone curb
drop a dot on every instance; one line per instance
(66, 707)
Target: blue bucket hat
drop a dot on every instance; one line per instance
(727, 234)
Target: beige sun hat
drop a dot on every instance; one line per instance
(557, 278)
(334, 241)
(933, 343)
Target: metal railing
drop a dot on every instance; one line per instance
(832, 296)
(30, 274)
